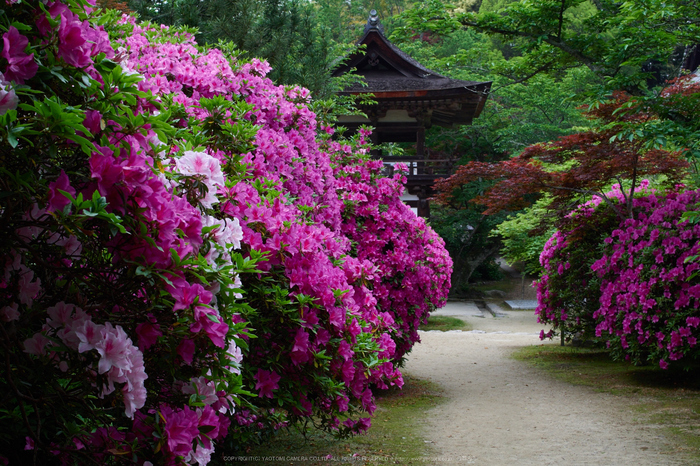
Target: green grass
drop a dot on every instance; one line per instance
(394, 437)
(668, 399)
(445, 323)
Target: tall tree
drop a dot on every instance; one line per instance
(630, 44)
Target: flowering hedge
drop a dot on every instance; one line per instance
(650, 295)
(646, 288)
(413, 268)
(188, 262)
(568, 292)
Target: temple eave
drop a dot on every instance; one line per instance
(407, 98)
(384, 89)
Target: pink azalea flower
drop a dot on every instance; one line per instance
(364, 424)
(266, 382)
(208, 422)
(55, 9)
(345, 350)
(300, 350)
(93, 121)
(343, 403)
(186, 350)
(202, 387)
(348, 370)
(224, 404)
(387, 345)
(114, 348)
(8, 98)
(306, 408)
(693, 321)
(134, 399)
(200, 163)
(72, 247)
(28, 287)
(106, 170)
(72, 47)
(201, 455)
(227, 231)
(181, 428)
(9, 313)
(69, 321)
(60, 314)
(235, 357)
(20, 66)
(206, 168)
(148, 334)
(216, 331)
(98, 40)
(89, 335)
(36, 345)
(186, 295)
(56, 200)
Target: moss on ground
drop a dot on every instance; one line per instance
(445, 323)
(667, 399)
(394, 437)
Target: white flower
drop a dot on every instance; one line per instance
(8, 98)
(226, 232)
(205, 168)
(235, 357)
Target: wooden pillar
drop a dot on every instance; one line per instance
(423, 204)
(420, 142)
(374, 137)
(420, 153)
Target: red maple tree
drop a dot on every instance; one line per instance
(114, 5)
(580, 164)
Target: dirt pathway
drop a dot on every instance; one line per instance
(501, 412)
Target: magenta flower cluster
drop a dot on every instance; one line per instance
(649, 293)
(192, 235)
(413, 271)
(646, 287)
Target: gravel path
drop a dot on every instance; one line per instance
(501, 412)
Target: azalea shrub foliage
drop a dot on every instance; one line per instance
(635, 279)
(189, 259)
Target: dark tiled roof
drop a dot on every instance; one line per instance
(392, 75)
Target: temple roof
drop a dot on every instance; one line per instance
(399, 81)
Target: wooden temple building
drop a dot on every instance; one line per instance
(409, 99)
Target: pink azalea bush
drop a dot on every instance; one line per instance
(642, 286)
(188, 263)
(412, 275)
(568, 292)
(650, 296)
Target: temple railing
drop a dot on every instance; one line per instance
(423, 168)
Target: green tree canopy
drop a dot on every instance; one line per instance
(295, 37)
(629, 44)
